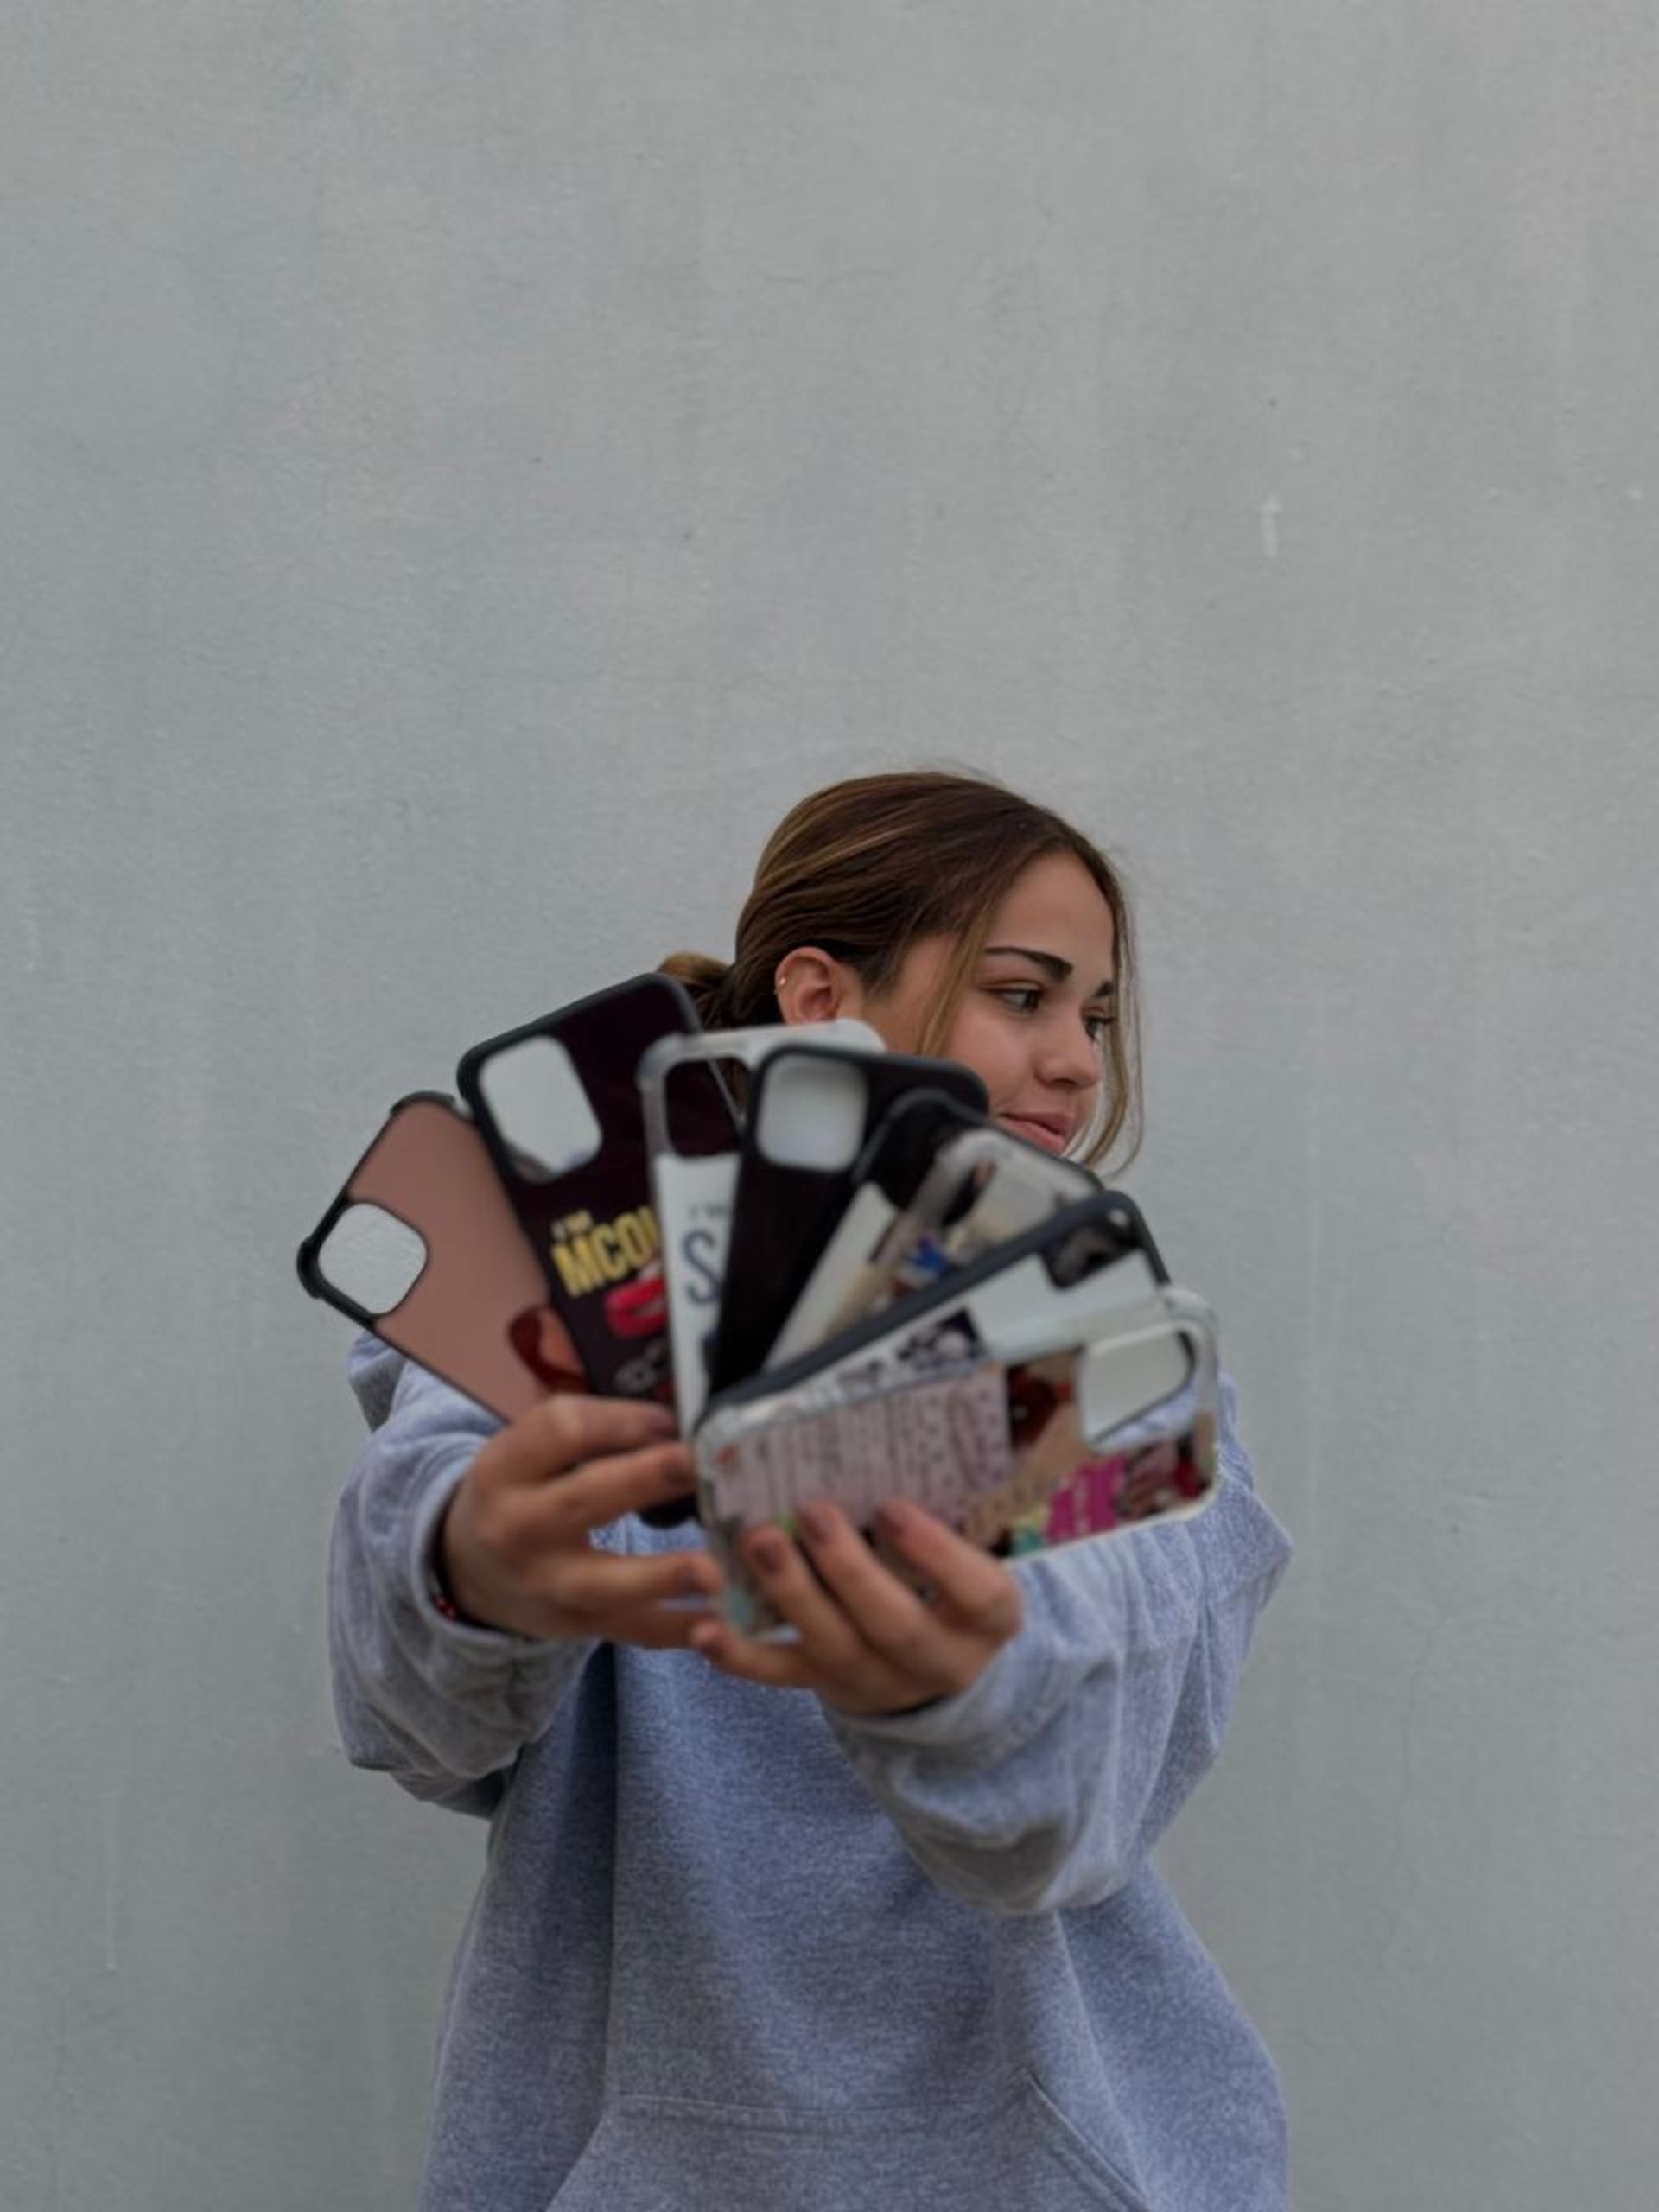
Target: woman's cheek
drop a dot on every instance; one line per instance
(981, 1043)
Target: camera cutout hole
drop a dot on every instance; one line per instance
(812, 1110)
(1118, 1382)
(372, 1258)
(538, 1105)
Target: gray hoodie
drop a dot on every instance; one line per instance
(732, 1952)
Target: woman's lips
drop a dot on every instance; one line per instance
(1054, 1136)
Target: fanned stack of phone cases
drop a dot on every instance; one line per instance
(849, 1282)
(881, 1293)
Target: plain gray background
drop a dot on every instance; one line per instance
(465, 470)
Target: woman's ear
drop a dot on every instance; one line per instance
(812, 985)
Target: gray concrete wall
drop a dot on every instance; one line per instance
(465, 471)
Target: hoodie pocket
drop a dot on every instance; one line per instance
(668, 2154)
(1070, 2149)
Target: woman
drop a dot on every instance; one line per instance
(867, 1919)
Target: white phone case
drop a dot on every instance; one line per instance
(693, 1195)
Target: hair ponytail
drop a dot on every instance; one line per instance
(727, 993)
(704, 978)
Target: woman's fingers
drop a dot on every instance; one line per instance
(799, 1597)
(601, 1490)
(830, 1652)
(573, 1463)
(562, 1432)
(867, 1642)
(591, 1589)
(519, 1526)
(657, 1628)
(868, 1685)
(780, 1666)
(514, 1546)
(548, 1589)
(941, 1646)
(973, 1592)
(516, 1552)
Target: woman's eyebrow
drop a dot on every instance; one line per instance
(1051, 964)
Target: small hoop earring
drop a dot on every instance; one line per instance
(781, 981)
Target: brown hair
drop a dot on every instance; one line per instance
(868, 867)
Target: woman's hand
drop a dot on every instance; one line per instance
(514, 1549)
(868, 1644)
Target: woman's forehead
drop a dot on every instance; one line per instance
(1056, 907)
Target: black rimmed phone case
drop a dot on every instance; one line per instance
(810, 1114)
(583, 1194)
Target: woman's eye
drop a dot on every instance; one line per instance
(1024, 998)
(1099, 1025)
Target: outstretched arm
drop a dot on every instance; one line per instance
(525, 1524)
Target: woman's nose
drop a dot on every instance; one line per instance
(1070, 1057)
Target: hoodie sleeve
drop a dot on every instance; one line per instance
(1047, 1783)
(444, 1707)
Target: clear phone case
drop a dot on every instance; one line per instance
(1082, 1438)
(980, 1187)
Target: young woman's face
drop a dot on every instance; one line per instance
(1032, 1020)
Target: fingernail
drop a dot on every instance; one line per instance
(705, 1638)
(893, 1519)
(767, 1552)
(818, 1523)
